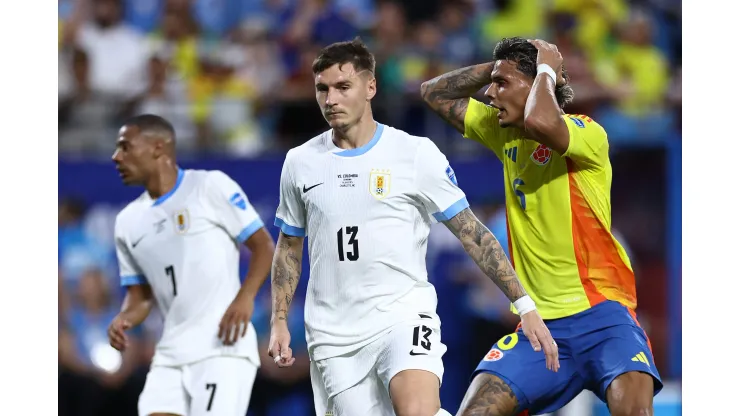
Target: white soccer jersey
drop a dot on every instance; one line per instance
(367, 213)
(185, 246)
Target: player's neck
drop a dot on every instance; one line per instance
(356, 136)
(162, 182)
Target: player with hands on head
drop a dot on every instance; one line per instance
(557, 182)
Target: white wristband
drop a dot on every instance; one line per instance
(524, 304)
(547, 69)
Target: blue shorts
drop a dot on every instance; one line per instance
(595, 346)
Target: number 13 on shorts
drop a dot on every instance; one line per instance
(421, 338)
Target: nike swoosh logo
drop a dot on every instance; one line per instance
(417, 353)
(311, 187)
(135, 243)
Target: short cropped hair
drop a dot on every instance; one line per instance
(524, 54)
(354, 52)
(151, 123)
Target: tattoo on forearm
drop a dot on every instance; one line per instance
(448, 94)
(487, 252)
(286, 271)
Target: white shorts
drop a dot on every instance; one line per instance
(213, 386)
(357, 383)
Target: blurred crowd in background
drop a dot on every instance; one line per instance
(234, 77)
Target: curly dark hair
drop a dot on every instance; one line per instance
(354, 52)
(522, 52)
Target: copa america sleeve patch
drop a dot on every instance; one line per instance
(238, 201)
(451, 174)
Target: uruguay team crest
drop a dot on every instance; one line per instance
(182, 221)
(380, 183)
(541, 155)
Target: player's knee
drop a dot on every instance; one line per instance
(631, 405)
(416, 407)
(630, 409)
(415, 393)
(631, 394)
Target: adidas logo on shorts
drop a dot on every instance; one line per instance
(641, 357)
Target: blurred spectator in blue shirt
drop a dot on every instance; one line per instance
(77, 251)
(216, 17)
(143, 15)
(94, 378)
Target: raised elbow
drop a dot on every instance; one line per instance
(424, 90)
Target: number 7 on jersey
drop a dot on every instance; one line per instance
(170, 270)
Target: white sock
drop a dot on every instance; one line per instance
(442, 412)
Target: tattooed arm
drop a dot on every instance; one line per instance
(449, 93)
(286, 271)
(487, 252)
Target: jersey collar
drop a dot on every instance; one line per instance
(161, 199)
(360, 150)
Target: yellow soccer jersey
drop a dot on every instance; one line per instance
(558, 212)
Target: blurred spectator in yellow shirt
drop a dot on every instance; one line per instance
(223, 104)
(509, 18)
(638, 73)
(177, 37)
(594, 20)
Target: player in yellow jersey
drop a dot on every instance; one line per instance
(558, 183)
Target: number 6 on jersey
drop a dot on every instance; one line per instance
(519, 193)
(351, 233)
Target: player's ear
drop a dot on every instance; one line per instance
(157, 148)
(372, 88)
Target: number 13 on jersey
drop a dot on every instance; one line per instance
(351, 234)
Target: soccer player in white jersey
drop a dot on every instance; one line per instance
(366, 196)
(178, 248)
